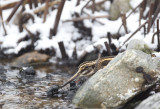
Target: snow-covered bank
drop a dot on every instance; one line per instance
(68, 33)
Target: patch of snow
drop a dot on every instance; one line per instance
(134, 3)
(69, 34)
(130, 92)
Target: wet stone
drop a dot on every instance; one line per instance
(2, 69)
(31, 57)
(53, 91)
(27, 71)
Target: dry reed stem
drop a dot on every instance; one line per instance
(85, 18)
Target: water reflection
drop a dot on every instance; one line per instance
(30, 92)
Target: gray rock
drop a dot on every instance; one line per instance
(139, 45)
(117, 82)
(119, 6)
(31, 57)
(152, 102)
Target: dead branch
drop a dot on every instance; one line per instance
(85, 6)
(124, 22)
(13, 4)
(95, 19)
(85, 18)
(156, 13)
(98, 3)
(128, 16)
(108, 48)
(30, 4)
(45, 11)
(14, 10)
(78, 2)
(58, 16)
(50, 4)
(35, 2)
(158, 34)
(7, 6)
(93, 6)
(150, 17)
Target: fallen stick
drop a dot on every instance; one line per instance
(50, 4)
(85, 18)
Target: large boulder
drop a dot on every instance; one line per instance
(152, 102)
(118, 82)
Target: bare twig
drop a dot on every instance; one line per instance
(156, 2)
(10, 5)
(97, 3)
(30, 33)
(143, 6)
(45, 11)
(144, 28)
(63, 51)
(156, 13)
(50, 4)
(35, 3)
(78, 2)
(13, 4)
(58, 16)
(95, 19)
(85, 6)
(93, 6)
(124, 22)
(108, 48)
(150, 17)
(140, 16)
(109, 38)
(30, 4)
(158, 34)
(14, 10)
(128, 16)
(133, 34)
(74, 54)
(85, 18)
(1, 15)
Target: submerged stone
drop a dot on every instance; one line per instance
(117, 82)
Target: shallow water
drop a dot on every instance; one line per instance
(17, 92)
